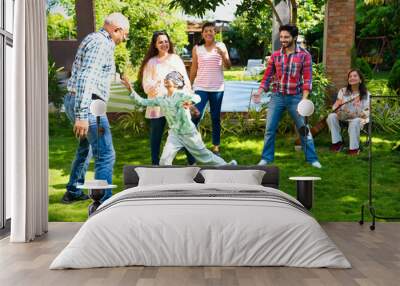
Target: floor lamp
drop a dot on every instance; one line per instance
(370, 204)
(96, 188)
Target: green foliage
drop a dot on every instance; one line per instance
(55, 92)
(386, 111)
(379, 20)
(320, 83)
(145, 17)
(60, 28)
(386, 115)
(394, 77)
(250, 35)
(68, 5)
(200, 7)
(244, 124)
(105, 7)
(121, 57)
(133, 122)
(364, 67)
(310, 14)
(196, 7)
(310, 21)
(59, 124)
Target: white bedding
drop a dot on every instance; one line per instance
(188, 231)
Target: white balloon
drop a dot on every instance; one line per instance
(98, 107)
(305, 107)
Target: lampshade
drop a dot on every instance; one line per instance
(98, 107)
(305, 107)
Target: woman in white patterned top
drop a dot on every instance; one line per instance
(352, 106)
(160, 60)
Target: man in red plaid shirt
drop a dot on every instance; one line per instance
(290, 72)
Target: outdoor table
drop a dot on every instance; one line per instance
(305, 190)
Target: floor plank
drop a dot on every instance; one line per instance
(374, 255)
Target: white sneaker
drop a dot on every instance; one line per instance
(316, 164)
(233, 163)
(263, 163)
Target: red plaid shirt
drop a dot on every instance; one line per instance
(290, 74)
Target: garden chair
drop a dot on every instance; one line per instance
(254, 67)
(345, 125)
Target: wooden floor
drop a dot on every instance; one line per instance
(375, 256)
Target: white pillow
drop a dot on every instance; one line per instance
(166, 176)
(249, 177)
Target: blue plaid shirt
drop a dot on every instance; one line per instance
(92, 71)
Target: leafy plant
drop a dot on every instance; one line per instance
(55, 91)
(386, 115)
(121, 57)
(320, 83)
(59, 27)
(364, 67)
(133, 122)
(394, 77)
(145, 17)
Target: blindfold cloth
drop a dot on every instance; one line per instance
(176, 78)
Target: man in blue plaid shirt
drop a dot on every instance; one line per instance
(92, 71)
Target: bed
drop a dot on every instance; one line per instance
(201, 224)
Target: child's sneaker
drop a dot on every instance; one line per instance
(233, 163)
(316, 164)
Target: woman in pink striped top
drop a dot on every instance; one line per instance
(207, 77)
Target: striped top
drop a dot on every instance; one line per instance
(210, 69)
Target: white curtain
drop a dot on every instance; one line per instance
(27, 124)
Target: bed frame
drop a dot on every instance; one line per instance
(270, 179)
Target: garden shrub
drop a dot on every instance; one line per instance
(55, 91)
(364, 67)
(394, 77)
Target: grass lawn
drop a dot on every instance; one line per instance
(344, 185)
(237, 73)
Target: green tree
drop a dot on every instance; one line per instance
(145, 17)
(68, 5)
(379, 20)
(59, 27)
(199, 7)
(250, 35)
(148, 16)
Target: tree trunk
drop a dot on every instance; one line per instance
(293, 19)
(278, 19)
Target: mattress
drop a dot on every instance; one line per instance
(201, 225)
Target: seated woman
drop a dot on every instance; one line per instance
(182, 131)
(352, 106)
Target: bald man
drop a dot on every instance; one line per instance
(91, 75)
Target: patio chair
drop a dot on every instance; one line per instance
(344, 124)
(254, 67)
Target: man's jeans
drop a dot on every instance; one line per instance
(87, 147)
(276, 107)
